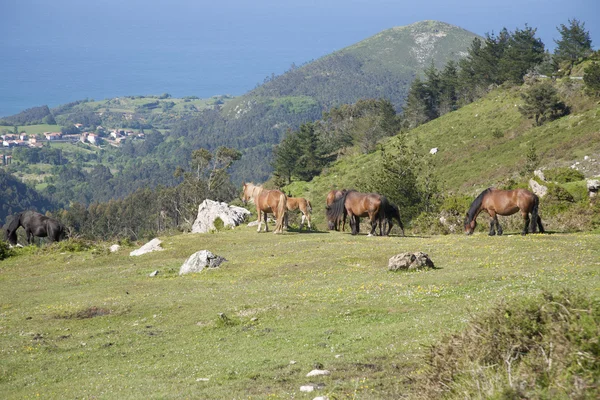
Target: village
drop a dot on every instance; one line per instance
(100, 136)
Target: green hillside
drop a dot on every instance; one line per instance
(480, 145)
(15, 197)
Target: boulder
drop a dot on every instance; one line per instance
(410, 261)
(200, 260)
(114, 248)
(210, 210)
(538, 189)
(593, 185)
(153, 245)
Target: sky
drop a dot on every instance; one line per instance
(230, 44)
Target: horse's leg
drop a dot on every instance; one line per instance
(498, 227)
(308, 221)
(492, 222)
(259, 219)
(540, 226)
(302, 220)
(266, 221)
(373, 227)
(527, 220)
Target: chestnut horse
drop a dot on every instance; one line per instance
(505, 202)
(295, 203)
(266, 201)
(331, 197)
(356, 205)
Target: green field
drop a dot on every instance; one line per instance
(31, 129)
(94, 325)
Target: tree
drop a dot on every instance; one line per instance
(542, 103)
(524, 51)
(574, 42)
(591, 78)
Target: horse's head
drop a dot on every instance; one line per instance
(470, 224)
(245, 193)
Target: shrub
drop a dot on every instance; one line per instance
(563, 175)
(544, 347)
(5, 250)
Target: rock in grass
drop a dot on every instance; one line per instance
(200, 260)
(114, 248)
(307, 388)
(153, 245)
(410, 262)
(318, 372)
(209, 211)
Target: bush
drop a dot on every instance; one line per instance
(563, 175)
(5, 250)
(545, 347)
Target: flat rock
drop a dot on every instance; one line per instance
(318, 372)
(153, 245)
(410, 261)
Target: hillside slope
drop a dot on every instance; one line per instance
(480, 145)
(15, 197)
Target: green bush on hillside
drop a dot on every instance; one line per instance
(5, 250)
(563, 175)
(545, 347)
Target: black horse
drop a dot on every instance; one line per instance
(390, 213)
(35, 224)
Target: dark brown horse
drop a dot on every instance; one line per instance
(331, 197)
(356, 205)
(505, 202)
(267, 201)
(35, 224)
(391, 213)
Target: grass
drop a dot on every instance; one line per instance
(32, 129)
(94, 324)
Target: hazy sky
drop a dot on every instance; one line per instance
(243, 40)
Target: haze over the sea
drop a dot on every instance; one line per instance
(66, 50)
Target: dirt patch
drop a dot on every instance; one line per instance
(89, 312)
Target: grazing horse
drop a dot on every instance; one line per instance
(295, 203)
(391, 212)
(35, 224)
(331, 197)
(355, 205)
(505, 202)
(266, 201)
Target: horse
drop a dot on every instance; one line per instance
(266, 201)
(331, 197)
(295, 203)
(355, 205)
(505, 202)
(391, 212)
(35, 224)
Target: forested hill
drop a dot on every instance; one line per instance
(15, 197)
(382, 66)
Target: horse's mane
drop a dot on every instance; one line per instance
(475, 205)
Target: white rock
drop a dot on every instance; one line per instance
(537, 189)
(540, 174)
(114, 248)
(200, 260)
(321, 398)
(318, 372)
(153, 245)
(210, 210)
(154, 273)
(433, 151)
(307, 388)
(586, 158)
(202, 379)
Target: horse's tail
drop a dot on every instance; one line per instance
(384, 209)
(535, 216)
(281, 213)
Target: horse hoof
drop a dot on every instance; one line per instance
(492, 233)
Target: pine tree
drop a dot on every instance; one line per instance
(575, 42)
(523, 53)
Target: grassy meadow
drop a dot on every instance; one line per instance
(91, 324)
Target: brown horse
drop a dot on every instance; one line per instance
(266, 201)
(331, 197)
(356, 205)
(295, 203)
(505, 202)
